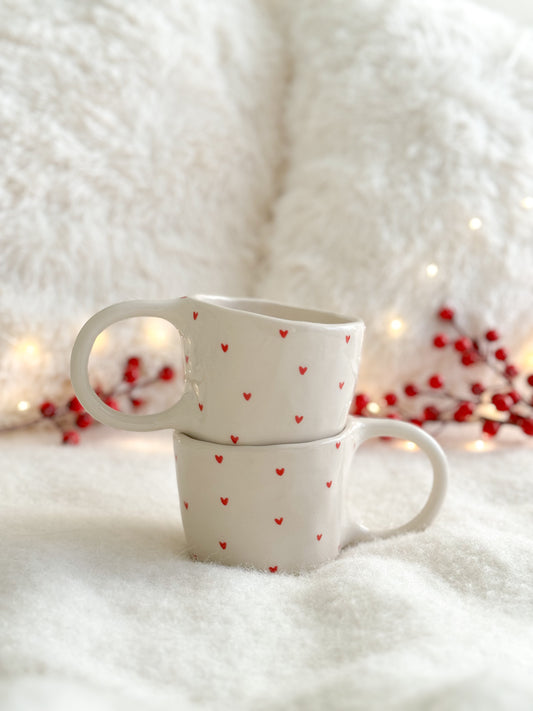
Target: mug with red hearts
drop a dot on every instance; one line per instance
(283, 507)
(256, 372)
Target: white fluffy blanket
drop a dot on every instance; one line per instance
(101, 608)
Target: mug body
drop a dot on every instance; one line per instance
(257, 372)
(277, 508)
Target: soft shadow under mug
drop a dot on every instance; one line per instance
(282, 508)
(256, 372)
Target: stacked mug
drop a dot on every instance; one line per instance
(263, 439)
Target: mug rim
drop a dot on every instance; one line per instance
(351, 422)
(244, 305)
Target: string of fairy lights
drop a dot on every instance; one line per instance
(159, 333)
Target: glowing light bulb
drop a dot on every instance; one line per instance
(373, 407)
(23, 405)
(527, 202)
(475, 224)
(432, 270)
(159, 332)
(396, 326)
(410, 446)
(28, 349)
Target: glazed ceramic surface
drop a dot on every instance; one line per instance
(280, 508)
(256, 372)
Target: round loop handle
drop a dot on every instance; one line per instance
(173, 417)
(365, 429)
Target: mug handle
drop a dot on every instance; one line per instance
(365, 429)
(173, 417)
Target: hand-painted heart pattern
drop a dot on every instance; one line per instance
(247, 395)
(280, 471)
(279, 521)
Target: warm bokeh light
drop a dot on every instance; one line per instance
(396, 326)
(527, 202)
(475, 224)
(373, 408)
(432, 270)
(23, 405)
(159, 332)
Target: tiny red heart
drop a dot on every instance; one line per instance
(328, 484)
(303, 370)
(341, 385)
(200, 406)
(279, 521)
(186, 504)
(224, 501)
(318, 536)
(280, 472)
(283, 334)
(273, 568)
(223, 545)
(337, 444)
(298, 418)
(348, 339)
(224, 347)
(219, 458)
(234, 439)
(247, 396)
(195, 315)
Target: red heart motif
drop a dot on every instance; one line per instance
(200, 406)
(195, 315)
(234, 439)
(247, 396)
(298, 418)
(341, 385)
(280, 472)
(328, 484)
(224, 347)
(186, 504)
(223, 545)
(303, 370)
(219, 458)
(279, 521)
(273, 568)
(283, 334)
(348, 339)
(224, 501)
(337, 444)
(318, 536)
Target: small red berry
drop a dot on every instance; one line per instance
(84, 420)
(511, 371)
(463, 412)
(71, 437)
(111, 402)
(477, 388)
(390, 399)
(431, 413)
(469, 358)
(75, 405)
(166, 373)
(393, 416)
(501, 402)
(500, 354)
(440, 340)
(436, 381)
(136, 402)
(134, 362)
(131, 374)
(490, 428)
(48, 409)
(530, 380)
(515, 396)
(462, 344)
(446, 314)
(411, 390)
(492, 335)
(527, 426)
(416, 421)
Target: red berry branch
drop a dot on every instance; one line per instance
(127, 396)
(497, 402)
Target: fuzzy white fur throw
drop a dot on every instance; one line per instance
(139, 146)
(405, 119)
(316, 153)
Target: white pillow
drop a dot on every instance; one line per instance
(405, 120)
(139, 145)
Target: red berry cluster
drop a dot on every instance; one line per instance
(435, 403)
(71, 417)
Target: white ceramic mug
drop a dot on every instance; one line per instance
(281, 508)
(256, 372)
